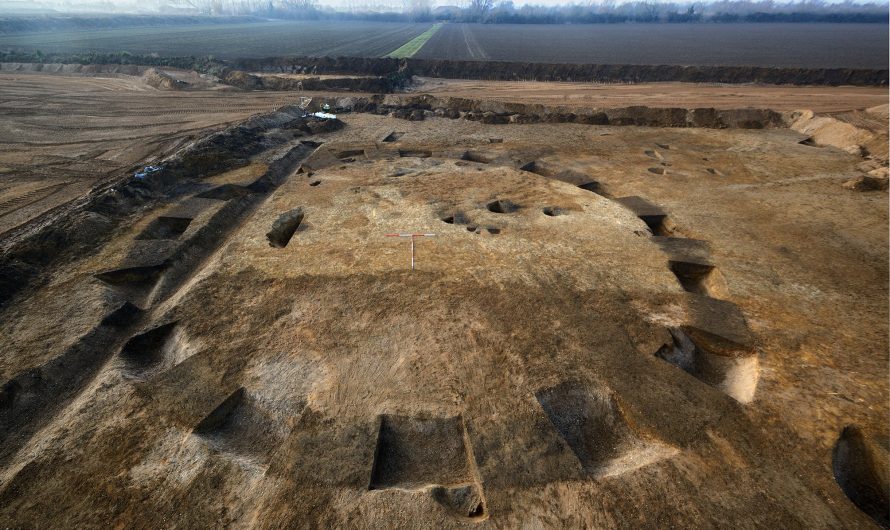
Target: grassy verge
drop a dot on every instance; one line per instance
(414, 45)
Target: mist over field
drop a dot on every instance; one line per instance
(235, 6)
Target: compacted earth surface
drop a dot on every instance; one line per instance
(593, 326)
(688, 95)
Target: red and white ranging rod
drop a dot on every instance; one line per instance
(412, 236)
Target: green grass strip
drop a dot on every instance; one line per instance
(414, 45)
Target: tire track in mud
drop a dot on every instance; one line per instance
(15, 204)
(474, 50)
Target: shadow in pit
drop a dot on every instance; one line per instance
(502, 206)
(284, 227)
(861, 467)
(699, 278)
(732, 368)
(165, 228)
(593, 424)
(429, 454)
(654, 217)
(32, 398)
(415, 153)
(240, 426)
(155, 350)
(393, 137)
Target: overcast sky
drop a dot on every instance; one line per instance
(150, 5)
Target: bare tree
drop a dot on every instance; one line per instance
(417, 9)
(298, 5)
(480, 8)
(650, 11)
(202, 6)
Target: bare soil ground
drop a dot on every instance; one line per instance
(610, 327)
(686, 95)
(62, 135)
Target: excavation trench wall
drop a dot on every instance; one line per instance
(82, 225)
(386, 74)
(419, 107)
(243, 80)
(68, 68)
(605, 73)
(375, 84)
(395, 72)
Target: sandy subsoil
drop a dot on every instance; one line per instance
(678, 343)
(685, 95)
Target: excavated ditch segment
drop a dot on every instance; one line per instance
(862, 469)
(418, 107)
(525, 71)
(284, 227)
(32, 398)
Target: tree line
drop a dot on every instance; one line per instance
(505, 12)
(494, 12)
(590, 11)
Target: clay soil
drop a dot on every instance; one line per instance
(607, 327)
(687, 95)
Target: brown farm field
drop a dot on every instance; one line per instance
(228, 41)
(798, 45)
(775, 45)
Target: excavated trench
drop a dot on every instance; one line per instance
(735, 375)
(416, 452)
(32, 398)
(535, 167)
(587, 420)
(658, 224)
(430, 455)
(502, 206)
(699, 278)
(862, 469)
(475, 156)
(594, 187)
(155, 350)
(599, 73)
(284, 227)
(415, 153)
(590, 420)
(165, 228)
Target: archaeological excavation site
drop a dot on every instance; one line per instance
(595, 317)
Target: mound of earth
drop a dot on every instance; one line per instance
(162, 80)
(859, 132)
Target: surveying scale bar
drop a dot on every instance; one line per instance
(412, 236)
